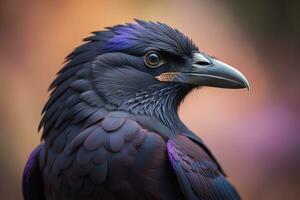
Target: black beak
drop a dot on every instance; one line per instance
(208, 72)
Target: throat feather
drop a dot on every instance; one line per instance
(156, 101)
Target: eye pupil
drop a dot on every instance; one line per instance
(152, 59)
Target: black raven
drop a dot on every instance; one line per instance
(111, 128)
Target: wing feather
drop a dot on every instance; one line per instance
(198, 174)
(32, 177)
(101, 154)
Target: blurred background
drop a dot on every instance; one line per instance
(255, 135)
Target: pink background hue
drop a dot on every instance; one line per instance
(255, 135)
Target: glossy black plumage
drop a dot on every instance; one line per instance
(111, 129)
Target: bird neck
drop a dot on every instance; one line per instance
(161, 102)
(137, 92)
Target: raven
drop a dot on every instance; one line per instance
(111, 128)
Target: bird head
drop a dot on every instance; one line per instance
(148, 66)
(145, 68)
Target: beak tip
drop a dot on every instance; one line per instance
(246, 83)
(248, 87)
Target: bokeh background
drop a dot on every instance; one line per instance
(255, 135)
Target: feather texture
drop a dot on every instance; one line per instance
(198, 175)
(111, 129)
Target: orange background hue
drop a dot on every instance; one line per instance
(254, 135)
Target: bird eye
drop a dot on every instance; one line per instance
(152, 59)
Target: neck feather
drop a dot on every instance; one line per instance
(161, 102)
